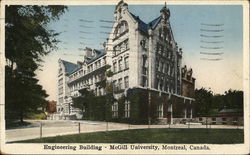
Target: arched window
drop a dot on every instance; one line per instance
(121, 28)
(124, 26)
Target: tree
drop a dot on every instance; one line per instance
(28, 40)
(208, 104)
(83, 102)
(203, 102)
(233, 99)
(97, 105)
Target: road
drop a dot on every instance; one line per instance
(65, 127)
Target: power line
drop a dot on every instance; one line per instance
(108, 27)
(217, 59)
(87, 21)
(206, 30)
(86, 26)
(208, 36)
(106, 21)
(211, 47)
(86, 38)
(211, 24)
(85, 32)
(212, 42)
(208, 53)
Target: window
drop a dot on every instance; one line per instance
(104, 61)
(95, 65)
(157, 65)
(144, 81)
(60, 90)
(126, 82)
(80, 72)
(100, 91)
(61, 100)
(200, 119)
(164, 33)
(160, 111)
(123, 47)
(60, 70)
(126, 65)
(160, 34)
(91, 80)
(115, 109)
(91, 67)
(120, 84)
(88, 70)
(160, 49)
(144, 61)
(126, 45)
(60, 81)
(166, 86)
(124, 26)
(117, 50)
(213, 119)
(121, 28)
(114, 85)
(161, 84)
(120, 65)
(144, 70)
(114, 67)
(156, 83)
(127, 109)
(161, 66)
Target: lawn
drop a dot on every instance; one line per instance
(13, 124)
(210, 136)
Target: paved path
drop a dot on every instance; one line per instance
(64, 127)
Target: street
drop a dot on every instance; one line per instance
(64, 127)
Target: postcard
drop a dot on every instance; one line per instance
(124, 77)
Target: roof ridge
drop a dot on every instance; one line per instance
(146, 26)
(68, 62)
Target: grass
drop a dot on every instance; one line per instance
(36, 116)
(210, 136)
(13, 124)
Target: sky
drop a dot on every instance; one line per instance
(83, 26)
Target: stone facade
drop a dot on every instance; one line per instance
(141, 56)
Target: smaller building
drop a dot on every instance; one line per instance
(51, 107)
(224, 117)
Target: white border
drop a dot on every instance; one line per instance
(215, 149)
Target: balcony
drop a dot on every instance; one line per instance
(121, 34)
(78, 78)
(117, 90)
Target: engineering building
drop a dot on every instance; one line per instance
(144, 59)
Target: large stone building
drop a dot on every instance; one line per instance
(144, 59)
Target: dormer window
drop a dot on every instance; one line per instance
(60, 71)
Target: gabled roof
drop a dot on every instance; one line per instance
(99, 53)
(69, 66)
(145, 27)
(154, 22)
